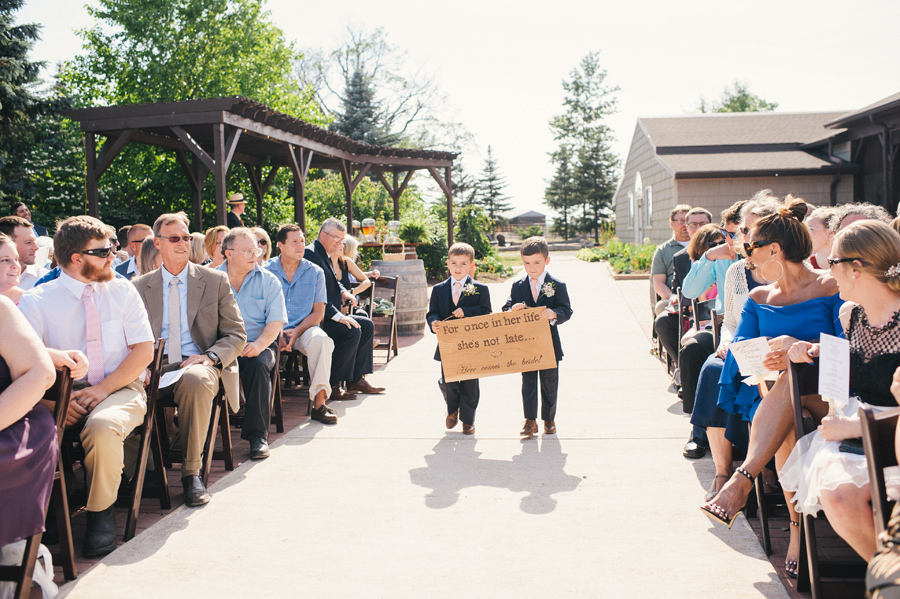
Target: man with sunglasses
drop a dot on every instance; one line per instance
(194, 310)
(88, 309)
(258, 295)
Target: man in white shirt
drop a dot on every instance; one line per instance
(88, 309)
(22, 233)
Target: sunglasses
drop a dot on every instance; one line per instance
(832, 262)
(749, 247)
(177, 238)
(732, 234)
(99, 252)
(713, 244)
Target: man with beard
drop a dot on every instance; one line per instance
(88, 309)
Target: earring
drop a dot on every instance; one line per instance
(762, 274)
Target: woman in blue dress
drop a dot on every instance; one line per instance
(798, 305)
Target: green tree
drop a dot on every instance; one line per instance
(737, 99)
(463, 185)
(357, 121)
(561, 193)
(582, 130)
(489, 188)
(19, 106)
(472, 227)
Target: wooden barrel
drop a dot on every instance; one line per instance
(412, 293)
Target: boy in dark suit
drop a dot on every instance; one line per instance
(537, 289)
(459, 296)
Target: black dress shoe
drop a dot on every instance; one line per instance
(693, 450)
(259, 449)
(194, 492)
(100, 536)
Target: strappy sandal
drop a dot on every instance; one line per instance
(717, 513)
(791, 568)
(711, 494)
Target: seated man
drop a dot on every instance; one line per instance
(21, 209)
(258, 295)
(193, 309)
(303, 285)
(22, 232)
(352, 335)
(87, 308)
(136, 236)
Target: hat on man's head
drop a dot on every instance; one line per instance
(236, 198)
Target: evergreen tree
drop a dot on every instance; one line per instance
(360, 109)
(19, 106)
(489, 192)
(463, 185)
(595, 182)
(561, 193)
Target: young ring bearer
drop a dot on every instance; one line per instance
(537, 289)
(458, 297)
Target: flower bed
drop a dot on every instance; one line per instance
(624, 258)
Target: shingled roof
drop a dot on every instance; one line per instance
(862, 114)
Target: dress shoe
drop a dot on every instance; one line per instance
(549, 427)
(468, 429)
(529, 430)
(452, 419)
(259, 449)
(323, 414)
(338, 394)
(100, 536)
(693, 450)
(363, 386)
(194, 492)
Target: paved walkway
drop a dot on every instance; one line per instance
(389, 504)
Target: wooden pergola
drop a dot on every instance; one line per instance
(208, 136)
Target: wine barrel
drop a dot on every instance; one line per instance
(412, 293)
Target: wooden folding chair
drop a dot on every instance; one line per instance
(218, 420)
(148, 442)
(22, 574)
(809, 577)
(294, 373)
(391, 284)
(878, 433)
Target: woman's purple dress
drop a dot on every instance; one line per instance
(28, 450)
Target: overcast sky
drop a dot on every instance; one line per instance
(501, 64)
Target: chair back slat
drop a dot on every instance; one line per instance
(878, 433)
(61, 394)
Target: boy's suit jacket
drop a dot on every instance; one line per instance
(441, 304)
(558, 302)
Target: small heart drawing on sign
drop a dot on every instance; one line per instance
(496, 353)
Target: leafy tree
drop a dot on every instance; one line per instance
(737, 99)
(489, 188)
(19, 105)
(561, 193)
(583, 134)
(358, 119)
(472, 226)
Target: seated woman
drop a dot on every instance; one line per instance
(799, 304)
(347, 272)
(9, 269)
(265, 244)
(865, 262)
(822, 223)
(28, 442)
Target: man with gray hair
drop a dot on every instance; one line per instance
(850, 213)
(352, 335)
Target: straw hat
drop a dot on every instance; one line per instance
(236, 198)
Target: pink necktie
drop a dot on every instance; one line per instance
(94, 337)
(534, 289)
(456, 288)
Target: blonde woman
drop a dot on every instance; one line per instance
(198, 249)
(149, 258)
(9, 269)
(822, 225)
(265, 244)
(345, 268)
(213, 241)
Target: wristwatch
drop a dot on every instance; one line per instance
(215, 359)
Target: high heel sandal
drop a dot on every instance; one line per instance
(717, 513)
(791, 568)
(711, 494)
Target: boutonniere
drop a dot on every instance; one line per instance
(548, 290)
(469, 289)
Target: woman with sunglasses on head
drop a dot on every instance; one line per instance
(265, 244)
(865, 262)
(798, 303)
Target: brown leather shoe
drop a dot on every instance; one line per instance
(363, 386)
(338, 394)
(452, 419)
(549, 427)
(530, 429)
(468, 429)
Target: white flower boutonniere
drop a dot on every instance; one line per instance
(469, 289)
(548, 290)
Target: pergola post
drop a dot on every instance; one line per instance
(396, 190)
(350, 185)
(196, 173)
(300, 170)
(260, 188)
(222, 155)
(90, 182)
(447, 188)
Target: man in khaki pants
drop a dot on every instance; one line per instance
(90, 310)
(193, 309)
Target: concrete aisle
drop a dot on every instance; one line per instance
(389, 504)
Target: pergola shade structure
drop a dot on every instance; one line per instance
(208, 136)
